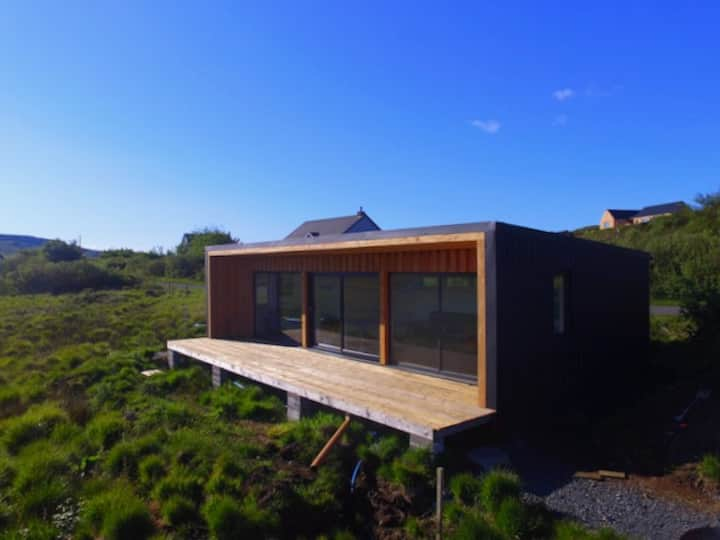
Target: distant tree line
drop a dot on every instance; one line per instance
(60, 267)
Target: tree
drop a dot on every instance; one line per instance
(58, 251)
(189, 260)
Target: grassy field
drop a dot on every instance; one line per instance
(90, 448)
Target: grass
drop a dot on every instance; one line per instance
(89, 448)
(709, 468)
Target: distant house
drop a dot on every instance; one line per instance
(359, 222)
(612, 219)
(650, 212)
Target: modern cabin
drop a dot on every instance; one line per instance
(429, 330)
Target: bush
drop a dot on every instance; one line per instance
(37, 423)
(465, 488)
(472, 526)
(230, 403)
(413, 469)
(178, 510)
(118, 515)
(511, 518)
(106, 429)
(224, 518)
(497, 486)
(709, 468)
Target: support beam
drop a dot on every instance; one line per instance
(294, 406)
(218, 377)
(329, 445)
(173, 359)
(482, 367)
(384, 333)
(305, 316)
(436, 444)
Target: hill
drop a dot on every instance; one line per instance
(685, 247)
(12, 243)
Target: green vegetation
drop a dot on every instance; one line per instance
(685, 248)
(90, 448)
(709, 468)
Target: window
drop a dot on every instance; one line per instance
(434, 322)
(347, 313)
(278, 306)
(560, 302)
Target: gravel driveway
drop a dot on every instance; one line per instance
(610, 503)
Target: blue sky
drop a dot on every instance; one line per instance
(130, 123)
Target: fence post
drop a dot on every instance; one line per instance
(440, 488)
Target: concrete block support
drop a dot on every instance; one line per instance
(436, 445)
(218, 376)
(294, 406)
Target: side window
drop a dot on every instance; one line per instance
(560, 303)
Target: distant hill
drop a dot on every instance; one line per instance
(10, 243)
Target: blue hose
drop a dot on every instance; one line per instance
(355, 473)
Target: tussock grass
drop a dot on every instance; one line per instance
(709, 468)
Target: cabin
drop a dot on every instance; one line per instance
(431, 331)
(612, 219)
(359, 222)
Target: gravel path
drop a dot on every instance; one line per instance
(624, 508)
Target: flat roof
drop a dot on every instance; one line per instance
(457, 232)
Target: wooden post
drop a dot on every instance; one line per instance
(328, 445)
(384, 333)
(482, 371)
(305, 317)
(440, 488)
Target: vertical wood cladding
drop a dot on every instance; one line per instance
(230, 296)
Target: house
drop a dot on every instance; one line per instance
(431, 330)
(359, 222)
(612, 219)
(651, 212)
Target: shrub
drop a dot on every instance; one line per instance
(230, 403)
(37, 423)
(224, 518)
(465, 488)
(472, 526)
(151, 470)
(498, 485)
(709, 468)
(106, 429)
(118, 514)
(181, 482)
(178, 510)
(511, 518)
(413, 469)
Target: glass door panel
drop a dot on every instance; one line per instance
(266, 314)
(327, 318)
(414, 314)
(361, 313)
(459, 325)
(290, 306)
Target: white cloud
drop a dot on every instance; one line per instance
(563, 94)
(560, 120)
(488, 126)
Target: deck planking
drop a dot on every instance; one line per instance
(419, 404)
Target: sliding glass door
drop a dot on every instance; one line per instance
(347, 313)
(434, 322)
(278, 306)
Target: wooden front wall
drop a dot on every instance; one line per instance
(231, 284)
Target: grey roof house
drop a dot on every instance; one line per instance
(359, 222)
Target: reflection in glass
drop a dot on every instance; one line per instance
(328, 324)
(361, 313)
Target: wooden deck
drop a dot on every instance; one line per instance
(421, 405)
